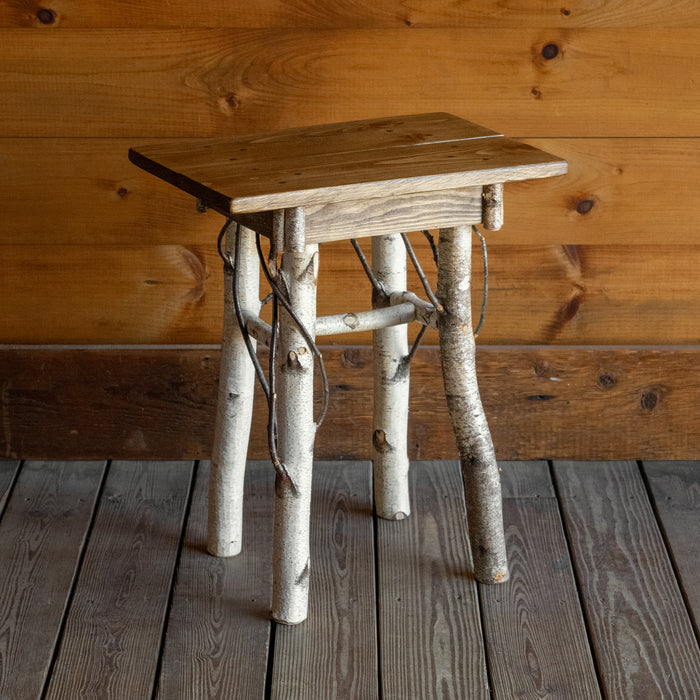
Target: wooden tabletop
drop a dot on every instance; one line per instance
(343, 162)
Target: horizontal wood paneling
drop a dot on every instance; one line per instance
(172, 294)
(92, 195)
(359, 13)
(601, 82)
(585, 403)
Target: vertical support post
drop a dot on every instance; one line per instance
(297, 429)
(492, 206)
(458, 355)
(391, 386)
(235, 405)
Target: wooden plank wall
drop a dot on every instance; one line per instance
(95, 251)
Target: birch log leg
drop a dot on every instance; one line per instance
(457, 352)
(391, 387)
(235, 405)
(295, 371)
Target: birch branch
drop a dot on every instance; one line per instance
(234, 405)
(296, 428)
(478, 460)
(391, 386)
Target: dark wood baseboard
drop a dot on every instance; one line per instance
(542, 402)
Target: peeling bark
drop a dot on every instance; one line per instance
(391, 387)
(297, 431)
(234, 407)
(458, 353)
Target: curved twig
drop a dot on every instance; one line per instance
(419, 271)
(302, 329)
(376, 284)
(485, 296)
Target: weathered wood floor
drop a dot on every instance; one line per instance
(106, 590)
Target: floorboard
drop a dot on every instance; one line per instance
(535, 635)
(217, 638)
(675, 487)
(640, 630)
(106, 589)
(430, 633)
(334, 653)
(111, 644)
(42, 534)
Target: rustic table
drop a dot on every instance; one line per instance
(301, 187)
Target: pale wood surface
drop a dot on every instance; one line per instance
(343, 162)
(203, 82)
(216, 638)
(94, 196)
(42, 535)
(218, 630)
(362, 13)
(427, 595)
(554, 294)
(381, 216)
(534, 629)
(110, 646)
(143, 403)
(334, 653)
(675, 487)
(621, 564)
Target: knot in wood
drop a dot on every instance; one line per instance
(45, 15)
(550, 51)
(381, 444)
(649, 400)
(293, 361)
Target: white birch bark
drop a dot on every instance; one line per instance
(234, 407)
(297, 430)
(458, 354)
(343, 323)
(391, 387)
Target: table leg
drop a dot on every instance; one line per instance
(391, 387)
(457, 352)
(297, 429)
(235, 405)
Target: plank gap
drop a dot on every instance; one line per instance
(577, 580)
(176, 568)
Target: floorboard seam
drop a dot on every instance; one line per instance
(176, 569)
(377, 619)
(487, 656)
(577, 582)
(669, 549)
(74, 582)
(270, 659)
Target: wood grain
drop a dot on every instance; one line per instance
(361, 13)
(203, 82)
(429, 628)
(94, 196)
(42, 535)
(218, 628)
(382, 216)
(642, 650)
(535, 634)
(333, 654)
(111, 643)
(342, 162)
(565, 295)
(142, 403)
(675, 487)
